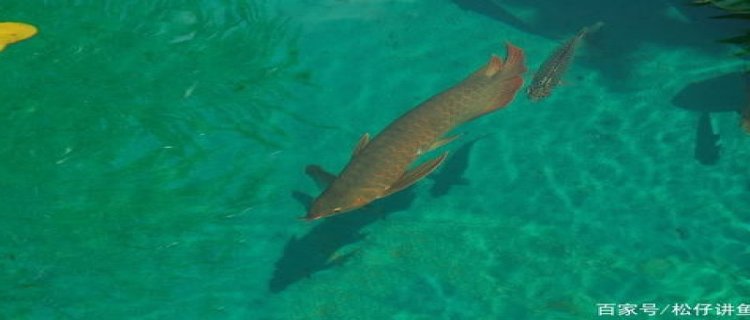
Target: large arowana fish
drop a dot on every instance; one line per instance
(12, 32)
(380, 167)
(550, 73)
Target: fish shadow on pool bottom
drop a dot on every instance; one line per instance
(452, 171)
(725, 93)
(628, 25)
(318, 250)
(707, 149)
(496, 11)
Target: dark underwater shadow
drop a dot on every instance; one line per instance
(707, 148)
(451, 173)
(628, 24)
(318, 249)
(725, 93)
(498, 12)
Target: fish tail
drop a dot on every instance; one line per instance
(594, 27)
(12, 32)
(509, 76)
(514, 65)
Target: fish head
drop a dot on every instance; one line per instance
(332, 203)
(11, 32)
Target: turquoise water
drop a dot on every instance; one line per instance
(153, 161)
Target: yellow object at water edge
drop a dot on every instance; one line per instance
(12, 32)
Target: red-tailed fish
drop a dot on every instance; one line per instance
(380, 167)
(550, 73)
(12, 32)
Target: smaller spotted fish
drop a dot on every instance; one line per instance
(12, 32)
(550, 73)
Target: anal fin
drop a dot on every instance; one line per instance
(444, 141)
(416, 174)
(439, 143)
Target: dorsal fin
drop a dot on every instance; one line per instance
(363, 141)
(416, 174)
(493, 66)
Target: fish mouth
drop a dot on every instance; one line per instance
(315, 216)
(324, 214)
(311, 217)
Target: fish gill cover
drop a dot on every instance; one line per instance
(124, 124)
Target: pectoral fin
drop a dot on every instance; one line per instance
(416, 174)
(444, 141)
(321, 177)
(2, 46)
(363, 141)
(439, 143)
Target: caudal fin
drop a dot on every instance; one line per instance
(514, 63)
(594, 27)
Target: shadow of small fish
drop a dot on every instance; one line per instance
(495, 11)
(707, 147)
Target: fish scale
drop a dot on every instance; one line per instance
(552, 70)
(380, 168)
